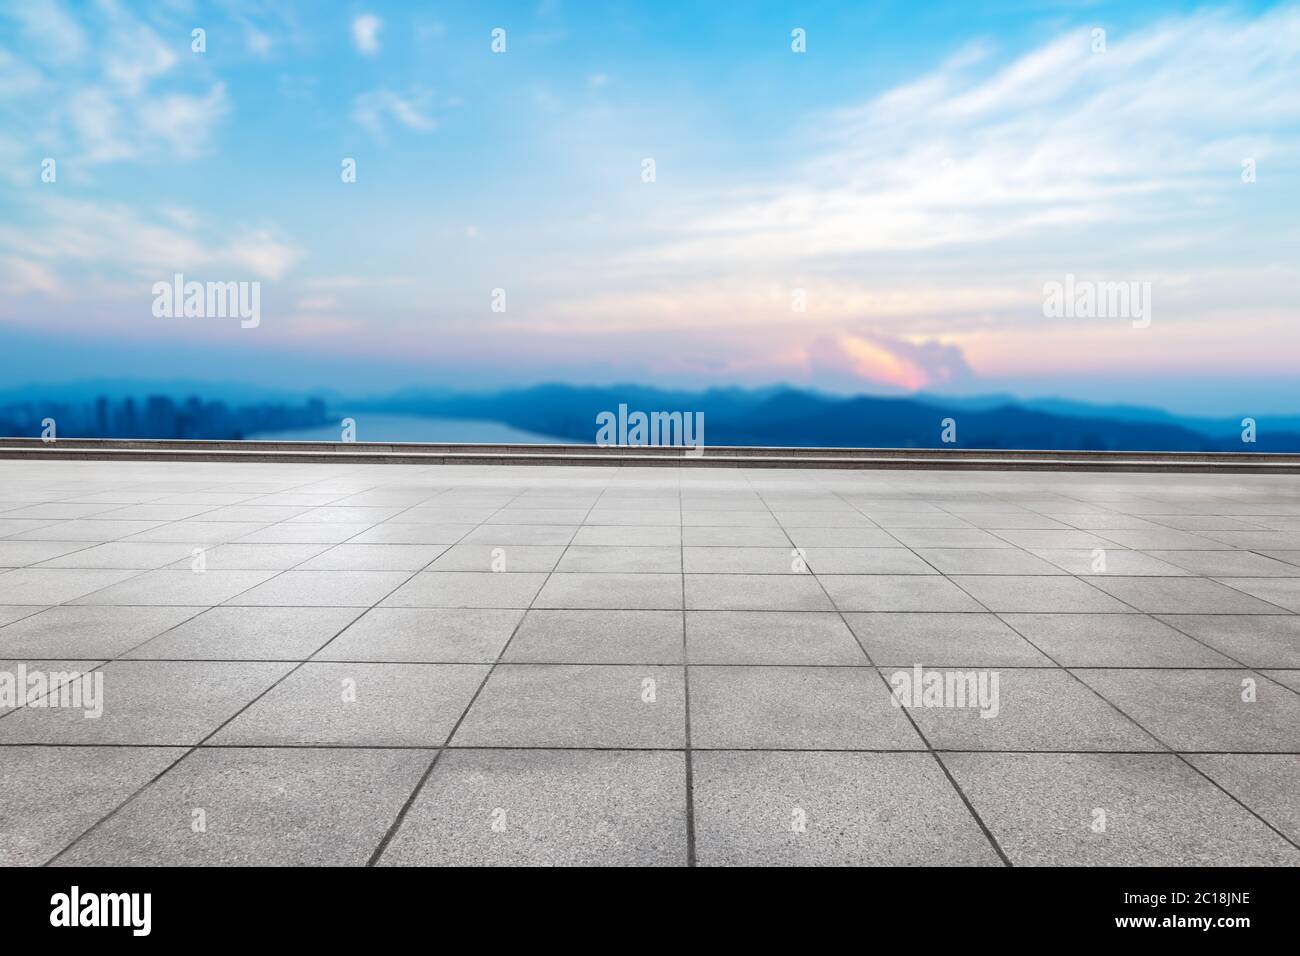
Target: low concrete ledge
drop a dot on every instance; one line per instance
(364, 453)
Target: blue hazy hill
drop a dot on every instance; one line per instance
(795, 417)
(774, 416)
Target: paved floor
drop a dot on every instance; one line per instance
(325, 664)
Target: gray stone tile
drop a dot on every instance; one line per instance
(555, 705)
(1111, 561)
(417, 634)
(149, 702)
(807, 708)
(1287, 678)
(716, 518)
(506, 589)
(1280, 592)
(755, 592)
(1255, 540)
(737, 537)
(608, 559)
(196, 533)
(743, 561)
(987, 561)
(1043, 809)
(630, 536)
(598, 637)
(1207, 523)
(252, 557)
(343, 514)
(254, 513)
(865, 561)
(946, 640)
(839, 538)
(60, 510)
(843, 518)
(536, 534)
(548, 516)
(1038, 709)
(12, 528)
(80, 632)
(1203, 709)
(1256, 640)
(395, 533)
(547, 808)
(261, 807)
(1038, 541)
(500, 558)
(248, 634)
(161, 512)
(770, 637)
(361, 705)
(1164, 539)
(756, 808)
(89, 529)
(174, 588)
(1219, 564)
(1113, 640)
(470, 516)
(323, 589)
(302, 533)
(921, 538)
(34, 682)
(895, 592)
(374, 557)
(1180, 596)
(1017, 521)
(20, 554)
(16, 612)
(586, 688)
(54, 585)
(1266, 783)
(613, 591)
(920, 520)
(49, 796)
(1031, 594)
(124, 555)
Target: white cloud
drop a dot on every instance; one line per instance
(50, 31)
(181, 121)
(376, 109)
(1058, 139)
(114, 238)
(110, 86)
(16, 77)
(96, 122)
(259, 44)
(317, 303)
(135, 57)
(19, 276)
(261, 252)
(365, 33)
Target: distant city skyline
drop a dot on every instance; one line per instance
(880, 213)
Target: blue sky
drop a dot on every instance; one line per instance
(919, 173)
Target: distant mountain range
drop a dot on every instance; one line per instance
(773, 416)
(792, 417)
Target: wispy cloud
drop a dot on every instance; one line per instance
(117, 240)
(377, 109)
(52, 33)
(1058, 139)
(365, 33)
(119, 98)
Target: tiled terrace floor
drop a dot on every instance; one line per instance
(424, 665)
